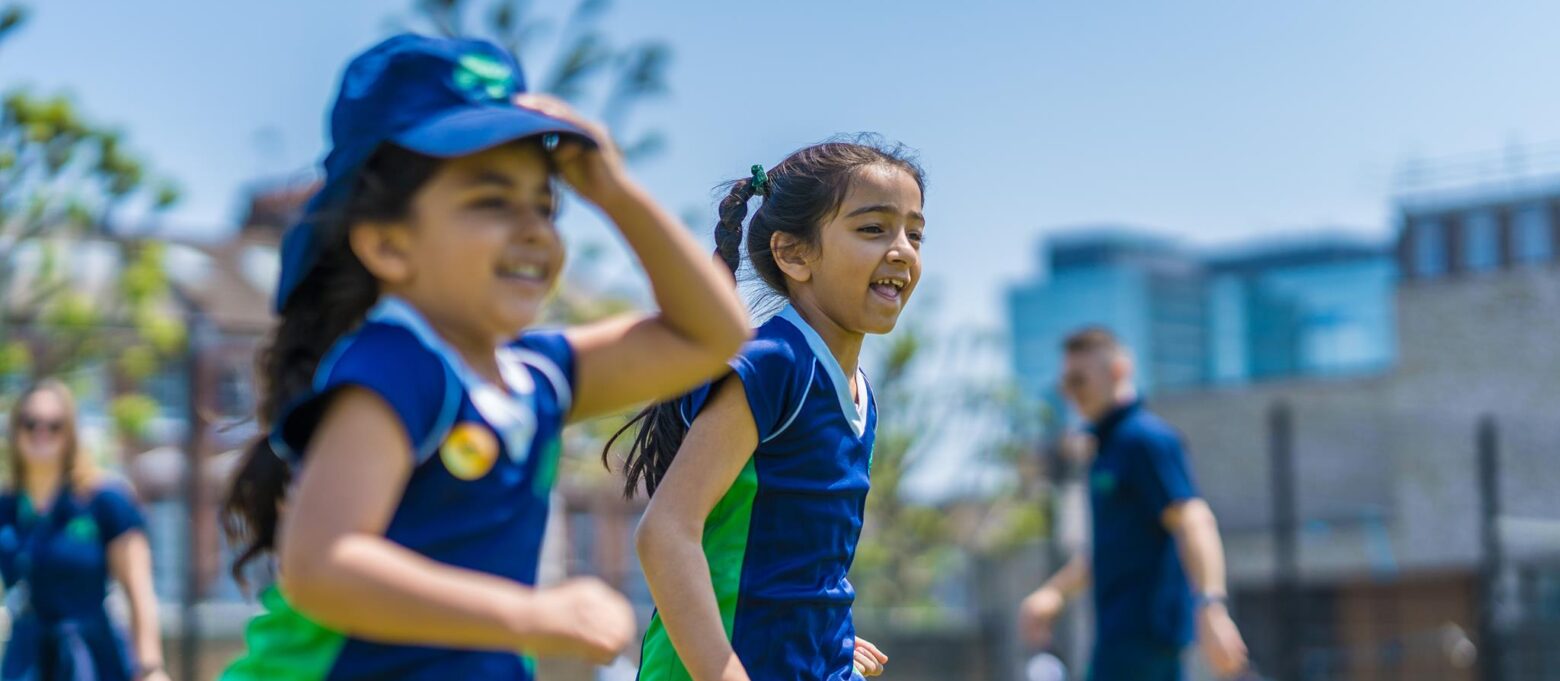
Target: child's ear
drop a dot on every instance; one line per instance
(790, 256)
(384, 248)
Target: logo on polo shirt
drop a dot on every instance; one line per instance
(82, 528)
(1103, 482)
(470, 451)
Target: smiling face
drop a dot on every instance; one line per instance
(42, 433)
(867, 261)
(43, 426)
(478, 253)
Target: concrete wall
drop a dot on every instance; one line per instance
(1385, 464)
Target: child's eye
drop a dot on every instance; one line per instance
(491, 203)
(871, 229)
(547, 210)
(918, 237)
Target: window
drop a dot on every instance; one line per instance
(1481, 241)
(1534, 238)
(1429, 239)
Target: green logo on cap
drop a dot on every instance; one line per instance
(484, 78)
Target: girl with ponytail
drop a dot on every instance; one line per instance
(758, 480)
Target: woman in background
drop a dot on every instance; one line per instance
(65, 528)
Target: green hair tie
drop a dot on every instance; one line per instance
(760, 181)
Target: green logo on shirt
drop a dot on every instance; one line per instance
(1103, 482)
(82, 528)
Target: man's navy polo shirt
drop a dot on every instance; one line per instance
(1141, 593)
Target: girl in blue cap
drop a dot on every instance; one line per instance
(758, 481)
(414, 423)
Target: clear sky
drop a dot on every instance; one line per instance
(1214, 120)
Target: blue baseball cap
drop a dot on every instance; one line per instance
(436, 96)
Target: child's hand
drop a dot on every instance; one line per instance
(153, 675)
(585, 618)
(869, 660)
(595, 172)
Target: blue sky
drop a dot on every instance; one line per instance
(1214, 120)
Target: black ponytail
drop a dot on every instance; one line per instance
(728, 230)
(799, 196)
(330, 302)
(661, 428)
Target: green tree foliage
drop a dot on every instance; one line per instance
(584, 67)
(65, 180)
(912, 549)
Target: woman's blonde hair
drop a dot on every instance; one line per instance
(78, 467)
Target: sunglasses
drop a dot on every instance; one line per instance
(52, 427)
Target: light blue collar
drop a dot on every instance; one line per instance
(509, 408)
(393, 310)
(855, 411)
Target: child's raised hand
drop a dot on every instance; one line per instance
(869, 660)
(595, 172)
(585, 618)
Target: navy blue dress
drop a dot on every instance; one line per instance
(485, 458)
(781, 540)
(56, 572)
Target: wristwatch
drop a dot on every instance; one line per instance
(1206, 599)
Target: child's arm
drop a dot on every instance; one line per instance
(701, 323)
(337, 566)
(714, 453)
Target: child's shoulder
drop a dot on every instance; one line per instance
(379, 336)
(545, 346)
(778, 360)
(777, 342)
(393, 361)
(379, 346)
(393, 329)
(548, 353)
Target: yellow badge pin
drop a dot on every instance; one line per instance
(470, 451)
